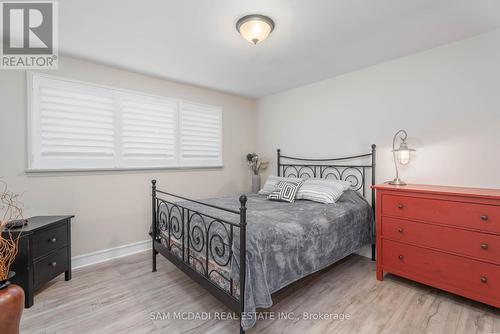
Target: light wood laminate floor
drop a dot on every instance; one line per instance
(120, 296)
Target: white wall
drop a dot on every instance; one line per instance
(113, 209)
(448, 99)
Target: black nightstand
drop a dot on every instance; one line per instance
(44, 253)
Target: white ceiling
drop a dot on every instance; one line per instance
(195, 41)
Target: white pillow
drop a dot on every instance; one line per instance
(272, 182)
(322, 190)
(346, 185)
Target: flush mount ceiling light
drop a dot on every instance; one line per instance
(255, 28)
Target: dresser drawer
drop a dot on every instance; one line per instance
(469, 215)
(444, 269)
(48, 240)
(475, 244)
(50, 266)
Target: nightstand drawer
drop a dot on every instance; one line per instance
(468, 215)
(50, 266)
(49, 240)
(45, 239)
(483, 246)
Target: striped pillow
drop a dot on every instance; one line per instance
(272, 182)
(322, 190)
(285, 191)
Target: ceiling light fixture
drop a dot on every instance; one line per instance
(255, 28)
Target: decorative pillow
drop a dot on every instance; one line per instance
(272, 182)
(322, 190)
(285, 191)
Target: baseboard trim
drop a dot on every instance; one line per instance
(109, 254)
(365, 251)
(137, 247)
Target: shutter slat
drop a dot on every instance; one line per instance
(147, 142)
(75, 109)
(196, 120)
(204, 141)
(200, 148)
(61, 92)
(204, 113)
(159, 124)
(197, 126)
(77, 155)
(200, 151)
(147, 146)
(200, 135)
(149, 106)
(143, 152)
(80, 130)
(78, 136)
(76, 123)
(139, 134)
(77, 143)
(52, 114)
(201, 155)
(75, 149)
(77, 103)
(167, 113)
(146, 129)
(138, 117)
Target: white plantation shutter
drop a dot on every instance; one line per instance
(201, 135)
(149, 131)
(75, 126)
(82, 126)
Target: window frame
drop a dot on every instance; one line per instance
(31, 125)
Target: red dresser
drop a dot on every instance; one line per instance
(446, 237)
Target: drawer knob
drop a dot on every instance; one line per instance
(401, 206)
(484, 246)
(53, 239)
(400, 230)
(53, 264)
(484, 279)
(401, 257)
(484, 217)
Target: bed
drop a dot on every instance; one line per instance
(282, 242)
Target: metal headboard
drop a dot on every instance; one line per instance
(345, 168)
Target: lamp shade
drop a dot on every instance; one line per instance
(255, 28)
(404, 157)
(403, 153)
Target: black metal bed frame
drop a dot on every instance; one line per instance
(201, 245)
(330, 168)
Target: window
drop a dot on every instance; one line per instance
(75, 125)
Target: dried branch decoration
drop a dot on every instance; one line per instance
(256, 163)
(10, 209)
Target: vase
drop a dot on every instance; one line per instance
(255, 183)
(11, 304)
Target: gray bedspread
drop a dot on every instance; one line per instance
(288, 241)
